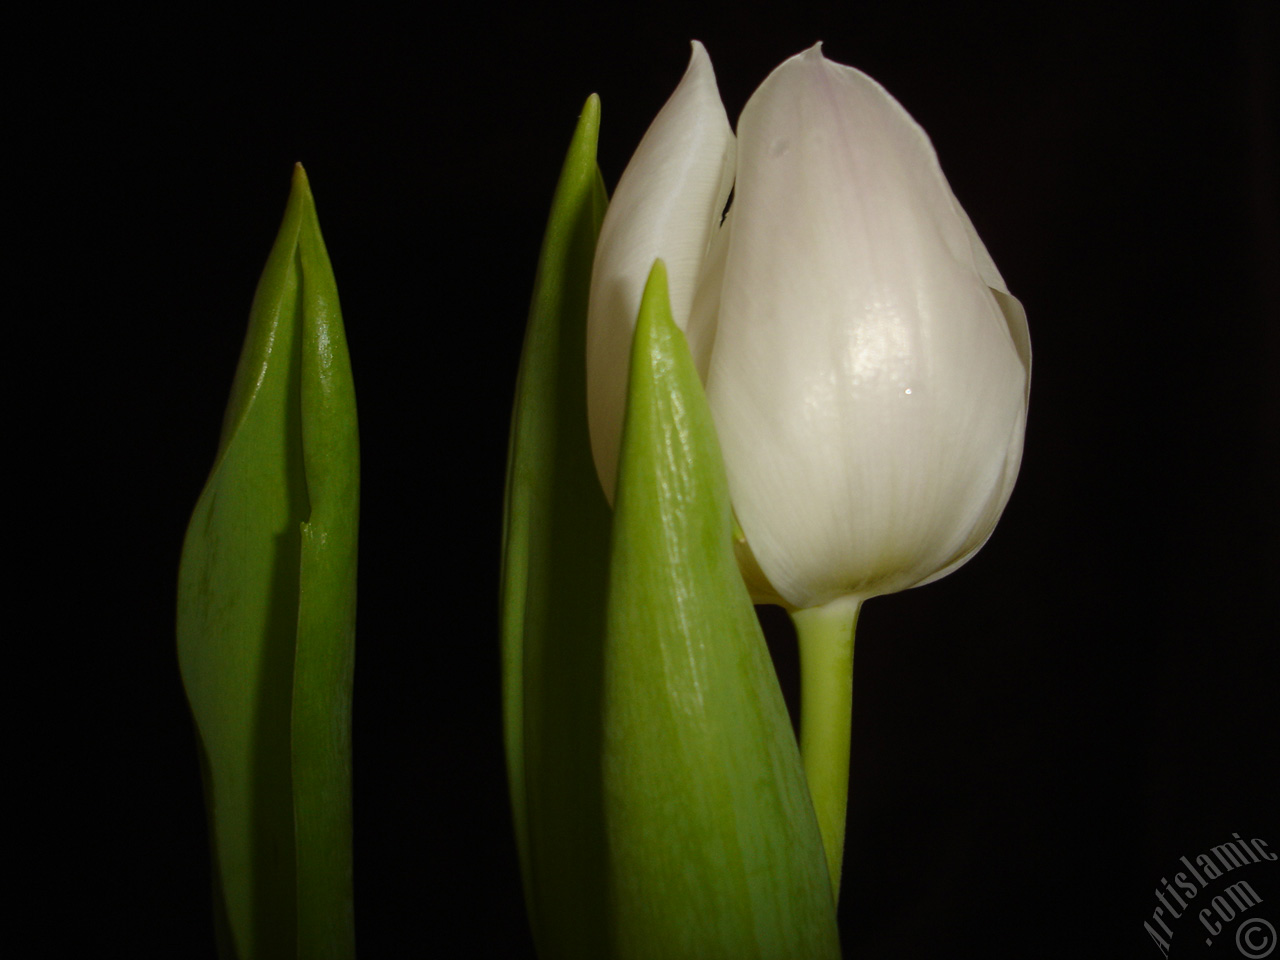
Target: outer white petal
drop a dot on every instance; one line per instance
(667, 204)
(866, 383)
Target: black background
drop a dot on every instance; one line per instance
(1037, 738)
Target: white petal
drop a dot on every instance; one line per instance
(667, 206)
(865, 381)
(704, 314)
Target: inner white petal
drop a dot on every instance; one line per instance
(667, 206)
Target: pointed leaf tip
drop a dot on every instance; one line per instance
(714, 850)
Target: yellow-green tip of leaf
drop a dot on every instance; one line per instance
(714, 850)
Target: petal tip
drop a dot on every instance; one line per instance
(699, 59)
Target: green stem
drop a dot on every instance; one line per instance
(826, 716)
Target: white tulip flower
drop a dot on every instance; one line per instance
(867, 367)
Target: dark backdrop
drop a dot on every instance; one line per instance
(1038, 738)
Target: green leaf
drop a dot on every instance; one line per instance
(555, 551)
(266, 615)
(714, 850)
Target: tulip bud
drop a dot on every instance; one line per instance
(866, 366)
(266, 615)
